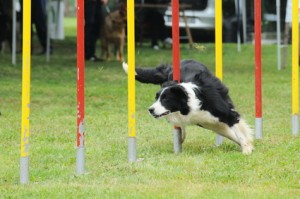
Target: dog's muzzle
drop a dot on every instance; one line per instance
(152, 112)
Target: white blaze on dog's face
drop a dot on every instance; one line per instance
(170, 100)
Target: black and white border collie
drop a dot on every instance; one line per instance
(201, 99)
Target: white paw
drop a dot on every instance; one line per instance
(247, 149)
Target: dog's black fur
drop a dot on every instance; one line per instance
(213, 92)
(200, 99)
(215, 98)
(164, 73)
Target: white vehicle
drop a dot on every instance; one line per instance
(201, 15)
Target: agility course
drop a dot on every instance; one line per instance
(218, 70)
(202, 170)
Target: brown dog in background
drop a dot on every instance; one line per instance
(113, 33)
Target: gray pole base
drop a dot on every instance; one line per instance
(132, 149)
(258, 128)
(295, 124)
(24, 170)
(219, 140)
(80, 160)
(177, 140)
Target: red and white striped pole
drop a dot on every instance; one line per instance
(80, 155)
(176, 65)
(258, 70)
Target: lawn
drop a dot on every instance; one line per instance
(202, 170)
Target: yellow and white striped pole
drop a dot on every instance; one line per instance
(295, 68)
(131, 82)
(218, 39)
(24, 160)
(218, 48)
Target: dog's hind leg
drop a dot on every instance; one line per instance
(245, 135)
(240, 133)
(228, 133)
(118, 52)
(121, 47)
(103, 49)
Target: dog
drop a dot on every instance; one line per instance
(200, 99)
(113, 33)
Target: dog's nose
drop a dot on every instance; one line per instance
(151, 111)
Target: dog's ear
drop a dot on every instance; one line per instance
(178, 90)
(122, 13)
(123, 8)
(169, 83)
(181, 98)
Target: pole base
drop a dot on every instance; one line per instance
(24, 170)
(80, 160)
(258, 128)
(219, 140)
(132, 149)
(295, 124)
(177, 140)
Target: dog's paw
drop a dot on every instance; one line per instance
(125, 67)
(247, 149)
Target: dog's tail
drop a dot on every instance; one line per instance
(157, 75)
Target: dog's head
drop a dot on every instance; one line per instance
(123, 9)
(170, 100)
(119, 19)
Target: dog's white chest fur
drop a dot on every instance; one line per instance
(199, 117)
(196, 116)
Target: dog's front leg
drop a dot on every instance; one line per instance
(119, 50)
(103, 49)
(108, 52)
(121, 47)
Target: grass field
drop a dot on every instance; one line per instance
(200, 171)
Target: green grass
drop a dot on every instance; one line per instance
(70, 26)
(200, 171)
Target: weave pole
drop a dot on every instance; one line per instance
(218, 49)
(131, 82)
(278, 35)
(80, 153)
(14, 33)
(176, 66)
(295, 68)
(238, 14)
(26, 62)
(258, 70)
